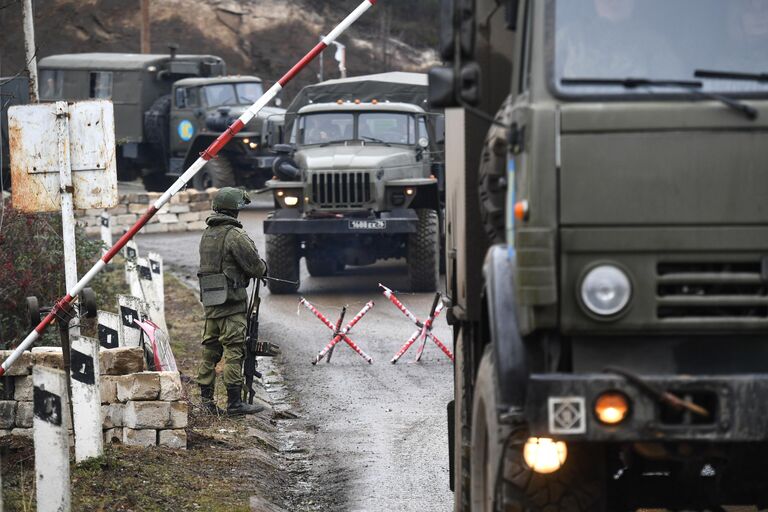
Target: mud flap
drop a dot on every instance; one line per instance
(451, 439)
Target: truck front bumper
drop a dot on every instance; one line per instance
(562, 406)
(291, 222)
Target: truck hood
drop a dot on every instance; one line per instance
(663, 164)
(256, 124)
(337, 157)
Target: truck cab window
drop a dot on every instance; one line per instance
(323, 128)
(101, 85)
(388, 127)
(51, 84)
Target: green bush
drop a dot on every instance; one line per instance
(32, 263)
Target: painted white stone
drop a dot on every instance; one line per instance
(86, 398)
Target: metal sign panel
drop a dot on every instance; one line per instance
(36, 149)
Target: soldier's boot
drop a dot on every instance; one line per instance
(235, 404)
(206, 397)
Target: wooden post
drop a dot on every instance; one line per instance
(51, 439)
(145, 41)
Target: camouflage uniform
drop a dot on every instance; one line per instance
(226, 248)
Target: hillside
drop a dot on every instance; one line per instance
(262, 37)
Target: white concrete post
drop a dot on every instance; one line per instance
(131, 252)
(108, 329)
(86, 398)
(106, 232)
(51, 439)
(156, 266)
(131, 308)
(149, 293)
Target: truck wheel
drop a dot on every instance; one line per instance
(283, 263)
(492, 179)
(218, 172)
(576, 487)
(322, 266)
(424, 253)
(462, 379)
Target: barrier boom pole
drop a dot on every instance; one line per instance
(65, 304)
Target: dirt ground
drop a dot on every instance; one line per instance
(227, 461)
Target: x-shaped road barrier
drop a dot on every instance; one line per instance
(339, 334)
(424, 330)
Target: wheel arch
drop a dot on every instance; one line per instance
(501, 326)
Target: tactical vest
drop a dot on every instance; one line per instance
(217, 286)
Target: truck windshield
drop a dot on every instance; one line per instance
(381, 127)
(243, 93)
(658, 40)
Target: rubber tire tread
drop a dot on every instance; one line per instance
(221, 171)
(283, 263)
(321, 267)
(424, 253)
(492, 179)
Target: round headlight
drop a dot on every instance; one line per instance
(606, 290)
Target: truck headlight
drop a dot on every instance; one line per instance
(291, 200)
(606, 290)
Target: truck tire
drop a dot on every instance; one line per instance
(501, 480)
(283, 263)
(424, 253)
(492, 179)
(322, 266)
(462, 379)
(218, 172)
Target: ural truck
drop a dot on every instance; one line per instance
(607, 242)
(168, 108)
(358, 182)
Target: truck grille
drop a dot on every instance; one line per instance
(341, 189)
(712, 290)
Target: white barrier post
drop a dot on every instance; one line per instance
(106, 232)
(131, 309)
(156, 266)
(86, 398)
(149, 293)
(51, 439)
(109, 329)
(130, 253)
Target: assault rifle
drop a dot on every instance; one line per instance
(254, 347)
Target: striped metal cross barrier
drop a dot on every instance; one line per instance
(424, 330)
(339, 334)
(65, 303)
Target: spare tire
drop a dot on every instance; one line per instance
(157, 123)
(492, 178)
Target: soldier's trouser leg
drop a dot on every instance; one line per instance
(212, 352)
(232, 338)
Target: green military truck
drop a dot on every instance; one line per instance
(359, 181)
(607, 242)
(14, 90)
(168, 108)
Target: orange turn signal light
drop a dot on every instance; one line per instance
(521, 210)
(612, 408)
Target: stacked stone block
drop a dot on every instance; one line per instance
(186, 211)
(138, 407)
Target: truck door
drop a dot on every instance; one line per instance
(187, 120)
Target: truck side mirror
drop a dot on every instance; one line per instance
(445, 90)
(457, 18)
(511, 14)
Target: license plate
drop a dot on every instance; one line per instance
(368, 224)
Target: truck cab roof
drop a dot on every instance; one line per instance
(348, 106)
(117, 61)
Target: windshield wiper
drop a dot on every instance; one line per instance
(374, 139)
(692, 85)
(731, 75)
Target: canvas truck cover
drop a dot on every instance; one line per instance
(396, 86)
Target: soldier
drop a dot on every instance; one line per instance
(228, 261)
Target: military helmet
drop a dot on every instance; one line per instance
(230, 198)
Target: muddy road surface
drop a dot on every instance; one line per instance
(377, 433)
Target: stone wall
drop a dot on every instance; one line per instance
(138, 407)
(186, 211)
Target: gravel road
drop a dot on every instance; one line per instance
(378, 432)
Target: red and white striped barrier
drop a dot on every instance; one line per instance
(65, 304)
(424, 330)
(339, 334)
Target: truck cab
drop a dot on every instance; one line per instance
(358, 187)
(620, 337)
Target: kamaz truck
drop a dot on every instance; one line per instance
(607, 242)
(358, 182)
(169, 108)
